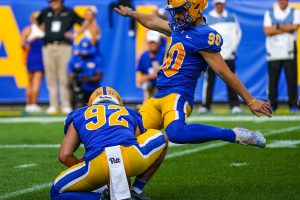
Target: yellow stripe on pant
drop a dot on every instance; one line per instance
(88, 176)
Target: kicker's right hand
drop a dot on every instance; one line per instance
(123, 10)
(260, 107)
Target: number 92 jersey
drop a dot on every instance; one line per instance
(183, 64)
(104, 125)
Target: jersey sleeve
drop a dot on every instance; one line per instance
(267, 19)
(296, 17)
(137, 118)
(69, 120)
(238, 30)
(207, 40)
(141, 63)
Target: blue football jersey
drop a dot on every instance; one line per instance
(145, 63)
(183, 64)
(104, 125)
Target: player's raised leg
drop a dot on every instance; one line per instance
(180, 132)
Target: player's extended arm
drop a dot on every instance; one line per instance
(68, 146)
(216, 62)
(273, 30)
(149, 21)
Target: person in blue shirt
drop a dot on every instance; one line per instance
(104, 122)
(148, 65)
(193, 47)
(84, 71)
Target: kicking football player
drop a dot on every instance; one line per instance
(103, 123)
(193, 47)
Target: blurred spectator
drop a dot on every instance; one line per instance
(57, 20)
(93, 31)
(32, 44)
(162, 13)
(228, 26)
(280, 26)
(84, 72)
(148, 65)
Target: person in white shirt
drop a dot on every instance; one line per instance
(93, 31)
(228, 26)
(280, 26)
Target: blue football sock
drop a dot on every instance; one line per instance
(138, 185)
(197, 133)
(78, 195)
(54, 195)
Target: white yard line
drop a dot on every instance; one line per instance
(242, 118)
(194, 150)
(284, 144)
(275, 132)
(169, 156)
(27, 190)
(32, 120)
(26, 165)
(236, 164)
(49, 146)
(26, 146)
(195, 118)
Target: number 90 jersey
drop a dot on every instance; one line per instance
(104, 125)
(183, 64)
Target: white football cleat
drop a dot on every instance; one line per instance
(66, 110)
(51, 110)
(202, 110)
(247, 137)
(36, 108)
(236, 110)
(33, 108)
(28, 108)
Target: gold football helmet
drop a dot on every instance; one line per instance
(105, 95)
(190, 10)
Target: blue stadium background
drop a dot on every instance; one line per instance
(119, 50)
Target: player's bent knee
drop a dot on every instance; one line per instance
(174, 132)
(53, 192)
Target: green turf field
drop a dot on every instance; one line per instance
(215, 170)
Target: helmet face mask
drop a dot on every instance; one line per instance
(180, 23)
(105, 95)
(184, 12)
